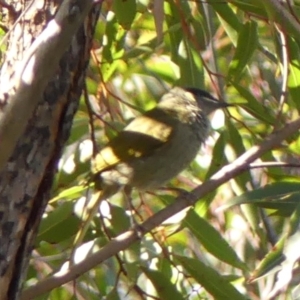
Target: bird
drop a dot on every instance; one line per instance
(155, 146)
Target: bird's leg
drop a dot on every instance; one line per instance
(134, 224)
(127, 192)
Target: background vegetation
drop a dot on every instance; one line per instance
(240, 240)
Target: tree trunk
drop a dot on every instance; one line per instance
(26, 179)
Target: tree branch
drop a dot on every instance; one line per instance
(124, 240)
(37, 68)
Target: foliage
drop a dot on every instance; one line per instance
(246, 54)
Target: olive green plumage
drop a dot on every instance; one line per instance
(153, 148)
(157, 145)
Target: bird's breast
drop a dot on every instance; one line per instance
(168, 160)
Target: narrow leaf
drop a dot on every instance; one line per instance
(165, 289)
(246, 44)
(212, 240)
(210, 279)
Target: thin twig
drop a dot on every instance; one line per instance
(273, 164)
(285, 73)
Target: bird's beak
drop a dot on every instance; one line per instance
(226, 104)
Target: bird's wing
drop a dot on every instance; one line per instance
(140, 138)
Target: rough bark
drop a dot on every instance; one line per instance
(25, 181)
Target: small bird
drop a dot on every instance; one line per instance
(156, 146)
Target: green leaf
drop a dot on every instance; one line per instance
(272, 260)
(294, 72)
(253, 7)
(59, 225)
(79, 129)
(226, 13)
(236, 141)
(269, 196)
(183, 51)
(120, 221)
(219, 158)
(285, 250)
(253, 107)
(200, 26)
(70, 193)
(125, 11)
(190, 65)
(210, 279)
(246, 45)
(164, 287)
(113, 295)
(212, 240)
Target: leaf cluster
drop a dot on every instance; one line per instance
(237, 239)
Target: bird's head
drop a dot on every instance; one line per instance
(205, 101)
(190, 100)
